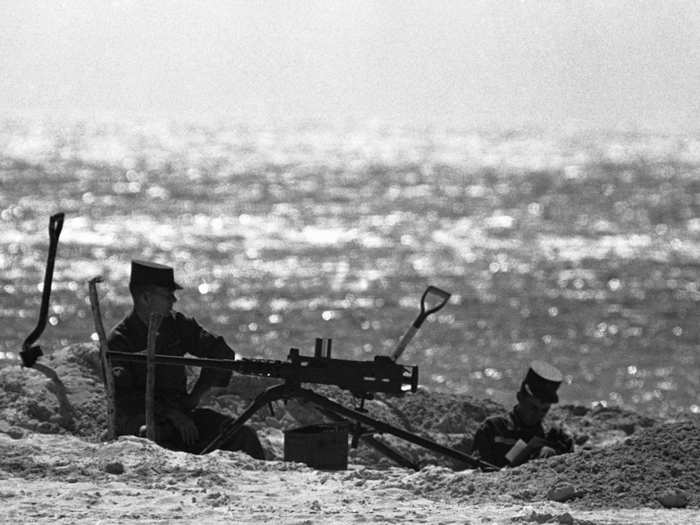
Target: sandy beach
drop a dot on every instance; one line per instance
(55, 469)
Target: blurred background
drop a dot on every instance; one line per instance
(309, 168)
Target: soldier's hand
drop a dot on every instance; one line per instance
(185, 426)
(546, 452)
(561, 440)
(190, 402)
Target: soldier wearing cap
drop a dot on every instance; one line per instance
(518, 436)
(180, 424)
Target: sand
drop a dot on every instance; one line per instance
(54, 467)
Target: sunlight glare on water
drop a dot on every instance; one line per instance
(579, 249)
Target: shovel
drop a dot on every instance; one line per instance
(441, 296)
(30, 354)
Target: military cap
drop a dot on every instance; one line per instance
(542, 381)
(151, 273)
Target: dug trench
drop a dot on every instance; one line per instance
(622, 460)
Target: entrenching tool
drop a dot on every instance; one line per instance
(30, 354)
(422, 316)
(104, 358)
(367, 434)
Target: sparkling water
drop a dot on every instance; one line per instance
(578, 248)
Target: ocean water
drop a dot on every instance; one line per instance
(579, 248)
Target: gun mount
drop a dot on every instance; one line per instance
(362, 378)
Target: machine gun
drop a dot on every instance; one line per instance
(362, 378)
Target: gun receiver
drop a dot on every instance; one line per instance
(362, 378)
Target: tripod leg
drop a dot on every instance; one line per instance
(389, 452)
(273, 393)
(382, 427)
(376, 443)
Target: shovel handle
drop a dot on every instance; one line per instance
(422, 316)
(445, 296)
(104, 358)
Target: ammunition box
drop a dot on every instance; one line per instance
(322, 446)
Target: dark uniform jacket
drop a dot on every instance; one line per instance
(497, 435)
(177, 335)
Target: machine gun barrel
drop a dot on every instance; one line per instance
(359, 377)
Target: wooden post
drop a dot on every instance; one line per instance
(153, 325)
(104, 358)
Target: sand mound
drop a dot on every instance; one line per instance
(643, 471)
(71, 402)
(623, 460)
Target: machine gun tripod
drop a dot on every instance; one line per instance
(339, 413)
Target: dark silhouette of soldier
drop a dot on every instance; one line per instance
(518, 436)
(180, 424)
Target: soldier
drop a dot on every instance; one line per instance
(180, 424)
(518, 436)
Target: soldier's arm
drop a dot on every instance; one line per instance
(201, 343)
(484, 444)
